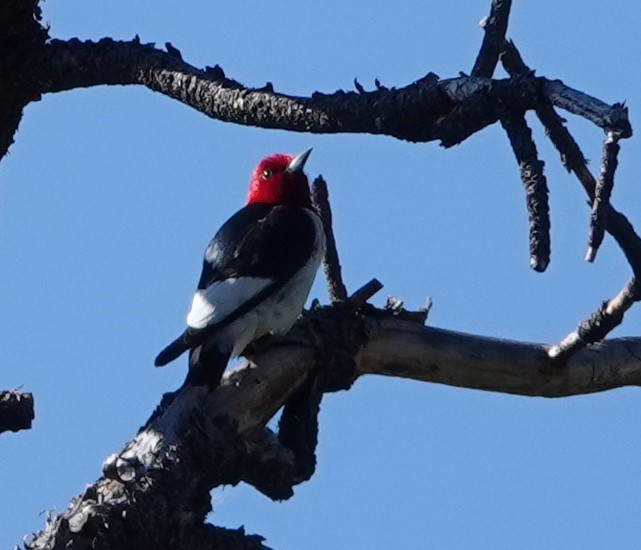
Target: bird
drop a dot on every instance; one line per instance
(257, 271)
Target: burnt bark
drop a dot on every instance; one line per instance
(495, 27)
(604, 216)
(535, 186)
(16, 411)
(155, 492)
(22, 38)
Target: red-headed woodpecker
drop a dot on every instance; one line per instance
(257, 271)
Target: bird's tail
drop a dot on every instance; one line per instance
(179, 346)
(207, 362)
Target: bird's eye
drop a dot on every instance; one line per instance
(266, 173)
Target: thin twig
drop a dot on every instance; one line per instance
(598, 325)
(495, 27)
(331, 263)
(603, 191)
(360, 296)
(536, 190)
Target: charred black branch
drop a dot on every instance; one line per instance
(331, 263)
(602, 193)
(610, 314)
(571, 155)
(495, 27)
(599, 324)
(16, 411)
(574, 160)
(535, 185)
(413, 113)
(613, 118)
(298, 427)
(426, 110)
(270, 467)
(605, 318)
(626, 237)
(21, 39)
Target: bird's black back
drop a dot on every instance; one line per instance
(260, 240)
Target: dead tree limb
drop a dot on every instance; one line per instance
(495, 27)
(610, 314)
(331, 263)
(535, 186)
(155, 492)
(602, 192)
(429, 109)
(203, 439)
(16, 411)
(426, 110)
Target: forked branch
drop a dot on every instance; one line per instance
(155, 492)
(204, 439)
(604, 216)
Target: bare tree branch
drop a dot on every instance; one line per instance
(155, 492)
(602, 193)
(331, 263)
(417, 112)
(21, 38)
(610, 313)
(203, 439)
(298, 428)
(608, 117)
(495, 27)
(600, 323)
(16, 411)
(535, 185)
(426, 110)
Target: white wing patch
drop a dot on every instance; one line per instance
(212, 304)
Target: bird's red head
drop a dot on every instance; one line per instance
(279, 179)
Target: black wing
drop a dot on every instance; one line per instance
(260, 240)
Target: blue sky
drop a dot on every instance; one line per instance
(109, 196)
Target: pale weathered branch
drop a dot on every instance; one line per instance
(435, 355)
(202, 439)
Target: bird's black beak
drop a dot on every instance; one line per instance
(298, 162)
